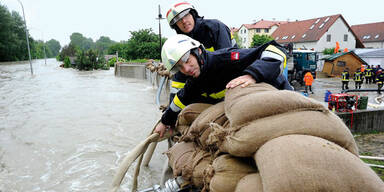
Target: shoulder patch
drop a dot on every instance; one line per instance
(235, 56)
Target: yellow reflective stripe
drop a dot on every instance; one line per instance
(178, 103)
(278, 51)
(211, 49)
(204, 95)
(177, 85)
(218, 95)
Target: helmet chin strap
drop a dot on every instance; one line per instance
(198, 55)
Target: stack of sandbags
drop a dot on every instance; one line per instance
(226, 171)
(265, 113)
(308, 163)
(200, 129)
(245, 125)
(189, 161)
(188, 115)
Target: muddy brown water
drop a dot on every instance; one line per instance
(68, 130)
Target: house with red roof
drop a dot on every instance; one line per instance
(371, 34)
(318, 34)
(262, 27)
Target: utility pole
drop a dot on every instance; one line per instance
(160, 18)
(26, 34)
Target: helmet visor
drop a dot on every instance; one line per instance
(179, 16)
(180, 63)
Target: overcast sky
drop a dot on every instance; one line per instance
(58, 19)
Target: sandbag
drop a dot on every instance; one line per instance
(180, 155)
(248, 139)
(200, 128)
(188, 115)
(226, 172)
(308, 163)
(258, 104)
(250, 183)
(194, 170)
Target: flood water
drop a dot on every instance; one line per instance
(68, 130)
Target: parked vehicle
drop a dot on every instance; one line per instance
(300, 62)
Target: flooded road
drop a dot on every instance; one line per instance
(68, 130)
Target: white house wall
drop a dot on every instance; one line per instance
(337, 32)
(375, 45)
(243, 34)
(374, 61)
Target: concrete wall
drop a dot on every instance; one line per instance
(367, 121)
(139, 71)
(130, 70)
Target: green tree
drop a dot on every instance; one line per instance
(328, 51)
(237, 39)
(68, 51)
(80, 41)
(103, 43)
(13, 45)
(258, 40)
(54, 47)
(143, 44)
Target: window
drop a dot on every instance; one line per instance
(328, 38)
(317, 21)
(377, 36)
(321, 26)
(285, 37)
(293, 36)
(366, 37)
(345, 37)
(266, 30)
(326, 19)
(257, 30)
(341, 63)
(304, 36)
(277, 38)
(312, 26)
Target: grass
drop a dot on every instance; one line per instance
(379, 171)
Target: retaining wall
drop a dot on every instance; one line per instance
(364, 121)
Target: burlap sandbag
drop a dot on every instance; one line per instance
(258, 104)
(226, 171)
(194, 170)
(308, 163)
(200, 128)
(188, 115)
(248, 139)
(180, 155)
(250, 183)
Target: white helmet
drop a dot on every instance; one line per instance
(177, 48)
(178, 11)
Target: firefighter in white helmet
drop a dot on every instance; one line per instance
(211, 73)
(212, 33)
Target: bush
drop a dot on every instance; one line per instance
(67, 62)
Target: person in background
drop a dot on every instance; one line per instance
(212, 73)
(345, 79)
(368, 75)
(212, 33)
(379, 80)
(358, 78)
(374, 71)
(308, 79)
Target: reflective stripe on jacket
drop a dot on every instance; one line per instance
(357, 76)
(345, 76)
